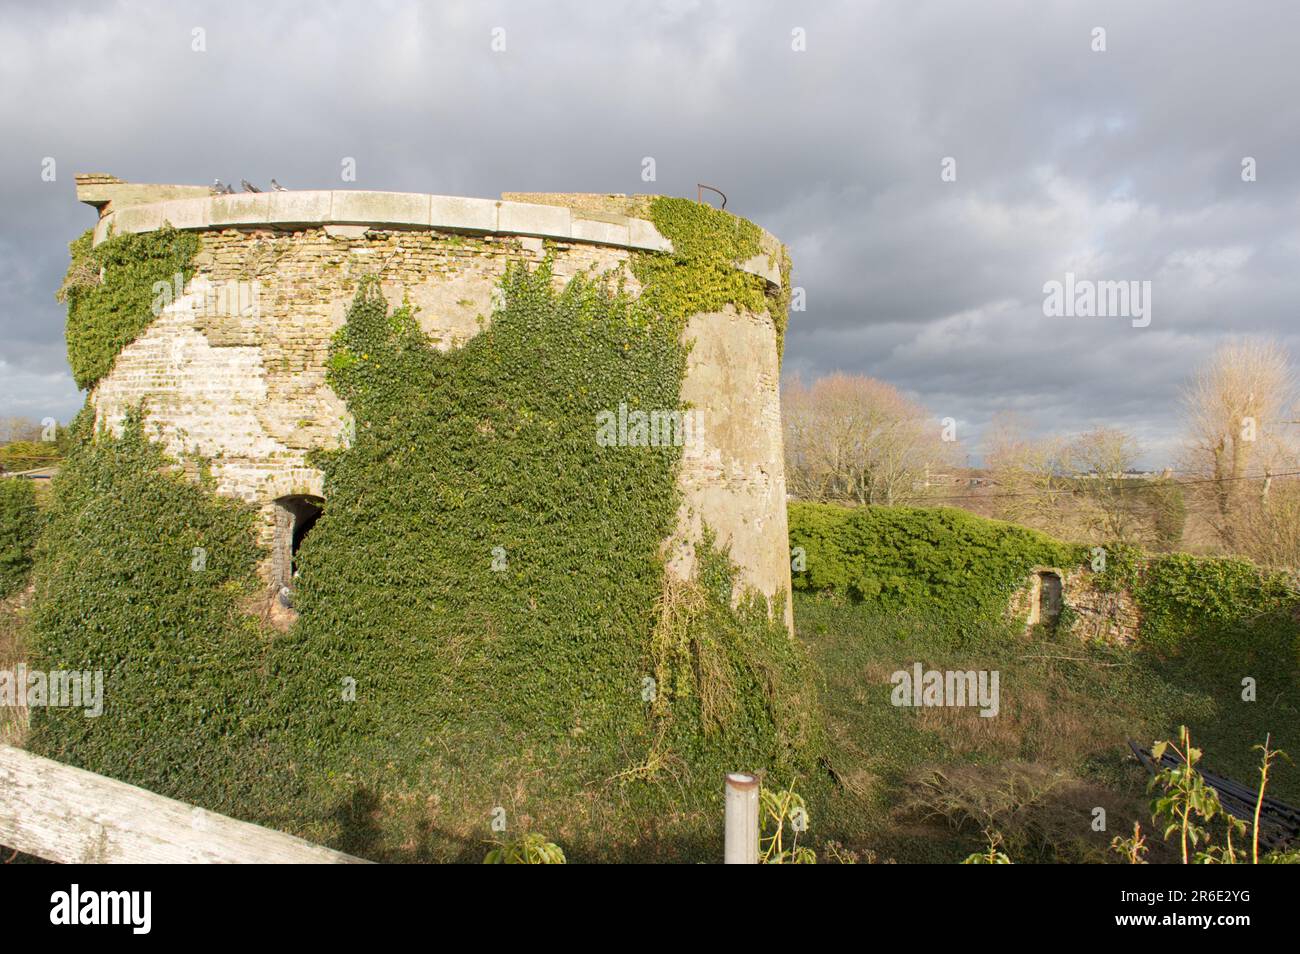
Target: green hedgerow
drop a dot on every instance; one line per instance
(27, 455)
(110, 293)
(19, 522)
(946, 561)
(1225, 615)
(1219, 610)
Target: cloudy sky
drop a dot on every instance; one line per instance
(1121, 165)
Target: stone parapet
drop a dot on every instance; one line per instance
(130, 208)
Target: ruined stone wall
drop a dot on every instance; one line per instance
(232, 372)
(1088, 612)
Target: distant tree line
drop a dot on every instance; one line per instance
(856, 440)
(24, 444)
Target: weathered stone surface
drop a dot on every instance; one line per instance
(523, 219)
(608, 233)
(590, 204)
(111, 193)
(139, 218)
(583, 218)
(186, 213)
(391, 208)
(242, 209)
(733, 479)
(1092, 614)
(346, 231)
(764, 267)
(455, 213)
(300, 208)
(642, 234)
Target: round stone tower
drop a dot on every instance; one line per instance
(233, 368)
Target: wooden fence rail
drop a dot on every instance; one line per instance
(69, 815)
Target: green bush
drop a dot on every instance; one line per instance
(109, 291)
(141, 575)
(948, 562)
(28, 455)
(1223, 611)
(19, 521)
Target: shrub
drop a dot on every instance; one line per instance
(27, 455)
(119, 589)
(1225, 612)
(18, 528)
(900, 558)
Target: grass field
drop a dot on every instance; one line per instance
(920, 784)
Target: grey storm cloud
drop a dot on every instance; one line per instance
(1120, 165)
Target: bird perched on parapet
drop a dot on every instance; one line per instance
(277, 187)
(248, 186)
(220, 188)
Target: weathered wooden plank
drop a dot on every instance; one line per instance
(67, 814)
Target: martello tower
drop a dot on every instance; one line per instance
(233, 368)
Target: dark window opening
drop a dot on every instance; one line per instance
(294, 519)
(301, 527)
(1048, 598)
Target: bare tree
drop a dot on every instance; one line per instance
(1080, 486)
(15, 428)
(1031, 474)
(853, 438)
(1235, 407)
(1101, 461)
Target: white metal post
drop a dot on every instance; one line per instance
(741, 841)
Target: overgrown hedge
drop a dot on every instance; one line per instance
(27, 455)
(19, 521)
(1222, 613)
(948, 562)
